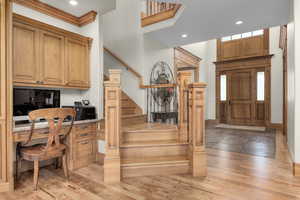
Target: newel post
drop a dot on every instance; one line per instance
(112, 168)
(184, 78)
(197, 129)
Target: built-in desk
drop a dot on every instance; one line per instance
(81, 141)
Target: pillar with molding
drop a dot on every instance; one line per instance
(183, 79)
(112, 164)
(196, 129)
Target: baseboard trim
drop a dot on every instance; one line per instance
(277, 126)
(4, 187)
(296, 169)
(100, 158)
(211, 122)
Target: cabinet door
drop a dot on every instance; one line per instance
(25, 54)
(52, 58)
(78, 69)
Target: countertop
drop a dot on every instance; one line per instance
(41, 125)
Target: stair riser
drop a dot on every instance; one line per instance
(151, 170)
(149, 136)
(137, 120)
(153, 151)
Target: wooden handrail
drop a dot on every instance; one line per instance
(136, 74)
(125, 65)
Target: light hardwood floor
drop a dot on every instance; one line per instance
(231, 176)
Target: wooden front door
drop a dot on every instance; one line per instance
(243, 96)
(240, 97)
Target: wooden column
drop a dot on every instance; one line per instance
(197, 129)
(6, 111)
(184, 78)
(112, 171)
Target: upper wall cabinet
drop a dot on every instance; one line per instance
(25, 54)
(52, 49)
(237, 47)
(46, 56)
(77, 63)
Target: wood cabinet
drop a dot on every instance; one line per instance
(77, 63)
(25, 53)
(82, 145)
(52, 55)
(47, 56)
(81, 142)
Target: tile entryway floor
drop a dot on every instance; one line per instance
(255, 143)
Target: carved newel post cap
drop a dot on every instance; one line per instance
(114, 77)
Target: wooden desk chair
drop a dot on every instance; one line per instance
(54, 148)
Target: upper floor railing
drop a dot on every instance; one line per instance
(156, 11)
(153, 7)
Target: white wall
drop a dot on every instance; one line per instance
(207, 52)
(296, 63)
(93, 30)
(276, 76)
(124, 37)
(291, 89)
(95, 93)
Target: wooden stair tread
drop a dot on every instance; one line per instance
(154, 161)
(154, 127)
(151, 143)
(132, 116)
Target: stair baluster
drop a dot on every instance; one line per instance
(184, 78)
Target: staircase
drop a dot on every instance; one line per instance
(153, 149)
(131, 112)
(146, 149)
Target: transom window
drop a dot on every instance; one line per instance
(243, 35)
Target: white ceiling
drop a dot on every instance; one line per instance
(209, 19)
(84, 6)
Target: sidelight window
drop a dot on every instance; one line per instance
(223, 87)
(260, 86)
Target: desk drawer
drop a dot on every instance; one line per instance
(84, 148)
(83, 136)
(85, 128)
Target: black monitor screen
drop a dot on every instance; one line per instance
(26, 100)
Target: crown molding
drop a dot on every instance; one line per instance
(57, 13)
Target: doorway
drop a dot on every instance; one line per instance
(242, 97)
(186, 61)
(243, 93)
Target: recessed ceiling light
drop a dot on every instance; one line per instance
(184, 35)
(239, 22)
(73, 2)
